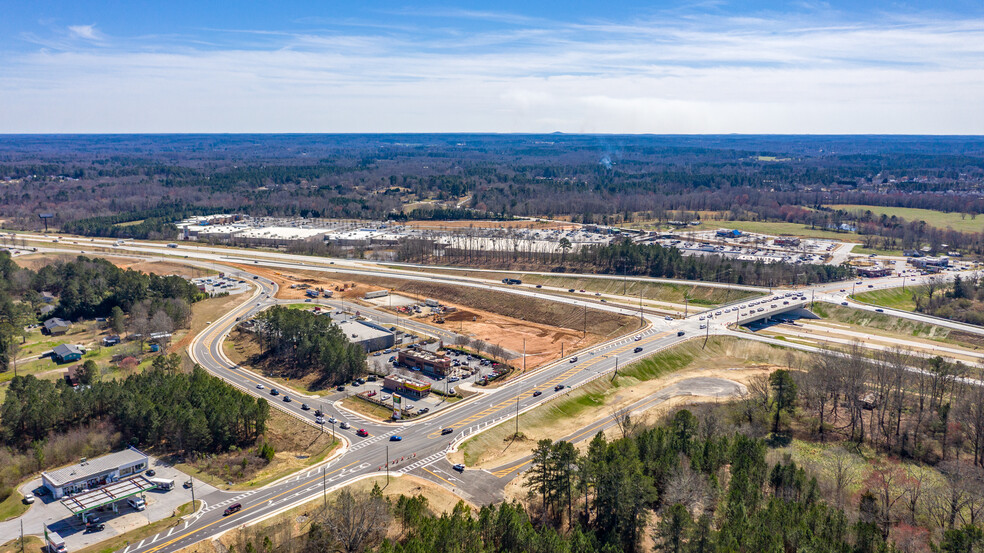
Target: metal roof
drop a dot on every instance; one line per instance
(61, 350)
(94, 467)
(80, 503)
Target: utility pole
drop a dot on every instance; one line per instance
(686, 306)
(387, 464)
(641, 322)
(524, 354)
(585, 320)
(517, 415)
(324, 485)
(192, 480)
(562, 350)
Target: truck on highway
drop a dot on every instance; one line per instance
(162, 483)
(172, 245)
(511, 281)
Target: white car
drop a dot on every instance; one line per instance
(639, 337)
(259, 386)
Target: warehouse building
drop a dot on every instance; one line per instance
(368, 335)
(90, 474)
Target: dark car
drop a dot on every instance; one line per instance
(274, 392)
(879, 310)
(537, 393)
(287, 399)
(372, 378)
(570, 290)
(637, 350)
(94, 526)
(446, 431)
(843, 303)
(559, 387)
(305, 407)
(395, 438)
(573, 360)
(680, 333)
(340, 388)
(539, 286)
(318, 413)
(459, 467)
(151, 472)
(234, 508)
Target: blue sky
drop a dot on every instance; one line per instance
(574, 66)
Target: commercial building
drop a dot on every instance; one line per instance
(872, 272)
(425, 361)
(56, 326)
(94, 473)
(368, 335)
(787, 242)
(930, 262)
(64, 353)
(406, 386)
(726, 233)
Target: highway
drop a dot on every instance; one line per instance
(423, 448)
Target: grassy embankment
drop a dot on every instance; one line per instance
(885, 324)
(894, 298)
(593, 402)
(135, 536)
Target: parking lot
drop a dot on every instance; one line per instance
(221, 285)
(50, 512)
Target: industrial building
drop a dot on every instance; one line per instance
(873, 272)
(406, 386)
(89, 474)
(425, 361)
(368, 335)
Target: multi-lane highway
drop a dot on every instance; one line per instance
(423, 447)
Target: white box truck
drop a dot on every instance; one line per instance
(55, 542)
(163, 483)
(137, 503)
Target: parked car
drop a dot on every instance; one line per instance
(151, 472)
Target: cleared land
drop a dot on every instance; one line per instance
(723, 357)
(961, 222)
(884, 324)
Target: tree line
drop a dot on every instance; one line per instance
(191, 412)
(300, 342)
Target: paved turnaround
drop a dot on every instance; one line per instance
(423, 448)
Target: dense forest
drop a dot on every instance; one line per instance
(299, 343)
(93, 184)
(193, 412)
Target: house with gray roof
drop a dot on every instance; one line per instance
(56, 326)
(63, 353)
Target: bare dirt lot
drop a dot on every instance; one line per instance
(494, 317)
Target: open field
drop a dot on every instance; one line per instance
(894, 298)
(629, 287)
(297, 446)
(35, 261)
(13, 506)
(32, 544)
(957, 221)
(728, 358)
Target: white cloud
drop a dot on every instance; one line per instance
(674, 76)
(88, 32)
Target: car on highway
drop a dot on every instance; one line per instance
(234, 508)
(573, 360)
(559, 387)
(259, 386)
(570, 289)
(340, 388)
(637, 350)
(680, 333)
(638, 337)
(331, 420)
(668, 318)
(459, 467)
(395, 438)
(362, 433)
(305, 407)
(843, 303)
(345, 425)
(539, 286)
(446, 431)
(879, 310)
(319, 419)
(537, 393)
(286, 399)
(703, 326)
(274, 392)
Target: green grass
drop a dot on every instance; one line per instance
(794, 229)
(894, 298)
(876, 251)
(896, 326)
(13, 506)
(938, 219)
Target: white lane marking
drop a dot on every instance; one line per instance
(127, 549)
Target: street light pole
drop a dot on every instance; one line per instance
(517, 415)
(387, 464)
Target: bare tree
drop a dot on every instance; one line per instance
(688, 488)
(351, 523)
(623, 420)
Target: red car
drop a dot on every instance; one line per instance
(362, 432)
